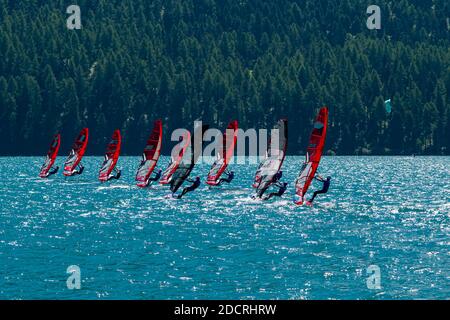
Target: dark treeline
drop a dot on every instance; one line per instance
(254, 60)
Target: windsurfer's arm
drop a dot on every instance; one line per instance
(319, 178)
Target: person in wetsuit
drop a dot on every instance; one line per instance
(195, 185)
(281, 190)
(156, 177)
(277, 176)
(79, 170)
(276, 181)
(54, 171)
(228, 179)
(326, 184)
(117, 176)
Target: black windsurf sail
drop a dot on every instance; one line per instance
(190, 158)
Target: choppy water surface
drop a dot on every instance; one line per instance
(393, 212)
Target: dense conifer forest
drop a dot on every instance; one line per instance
(135, 61)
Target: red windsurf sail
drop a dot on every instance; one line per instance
(229, 142)
(175, 162)
(51, 156)
(152, 152)
(77, 152)
(111, 156)
(313, 155)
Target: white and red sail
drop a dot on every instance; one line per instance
(175, 161)
(275, 156)
(150, 157)
(77, 152)
(111, 156)
(227, 152)
(313, 155)
(51, 156)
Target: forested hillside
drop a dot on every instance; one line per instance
(135, 61)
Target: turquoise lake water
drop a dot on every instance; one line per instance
(393, 212)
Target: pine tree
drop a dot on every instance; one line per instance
(257, 61)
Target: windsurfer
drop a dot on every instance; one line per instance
(79, 170)
(117, 175)
(195, 185)
(275, 181)
(228, 179)
(155, 178)
(54, 171)
(282, 186)
(277, 176)
(326, 185)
